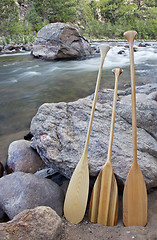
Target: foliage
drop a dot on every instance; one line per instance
(8, 16)
(56, 10)
(103, 18)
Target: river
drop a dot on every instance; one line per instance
(26, 83)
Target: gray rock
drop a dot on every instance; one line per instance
(21, 157)
(38, 223)
(20, 191)
(60, 130)
(45, 173)
(61, 41)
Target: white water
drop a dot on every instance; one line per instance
(26, 83)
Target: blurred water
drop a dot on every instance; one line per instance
(26, 83)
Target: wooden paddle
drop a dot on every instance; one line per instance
(135, 193)
(77, 192)
(103, 208)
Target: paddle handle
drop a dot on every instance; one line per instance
(116, 72)
(130, 36)
(103, 50)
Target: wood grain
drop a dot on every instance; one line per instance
(135, 193)
(77, 193)
(135, 199)
(103, 207)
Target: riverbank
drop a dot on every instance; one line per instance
(15, 48)
(22, 48)
(89, 231)
(58, 115)
(27, 82)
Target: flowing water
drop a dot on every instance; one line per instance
(26, 82)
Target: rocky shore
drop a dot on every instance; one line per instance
(32, 195)
(15, 48)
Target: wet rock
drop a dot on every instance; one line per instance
(20, 191)
(1, 169)
(121, 52)
(38, 223)
(60, 129)
(144, 45)
(61, 41)
(21, 157)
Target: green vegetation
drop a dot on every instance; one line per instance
(103, 18)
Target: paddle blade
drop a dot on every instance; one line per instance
(77, 193)
(135, 199)
(103, 207)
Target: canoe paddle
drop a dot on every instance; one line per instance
(135, 193)
(77, 192)
(103, 208)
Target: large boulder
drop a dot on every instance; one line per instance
(38, 223)
(60, 41)
(21, 157)
(60, 130)
(20, 191)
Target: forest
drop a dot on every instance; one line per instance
(94, 18)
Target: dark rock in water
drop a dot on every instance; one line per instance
(144, 45)
(21, 157)
(20, 191)
(61, 41)
(1, 169)
(38, 223)
(59, 133)
(121, 52)
(12, 47)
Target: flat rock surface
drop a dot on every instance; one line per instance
(60, 130)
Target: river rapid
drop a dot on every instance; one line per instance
(26, 83)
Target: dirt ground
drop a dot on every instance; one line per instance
(89, 231)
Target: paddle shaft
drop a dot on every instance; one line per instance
(103, 55)
(130, 36)
(103, 208)
(117, 72)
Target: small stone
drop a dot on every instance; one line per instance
(21, 157)
(121, 52)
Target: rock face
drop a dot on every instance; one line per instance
(21, 157)
(38, 223)
(60, 131)
(60, 41)
(20, 191)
